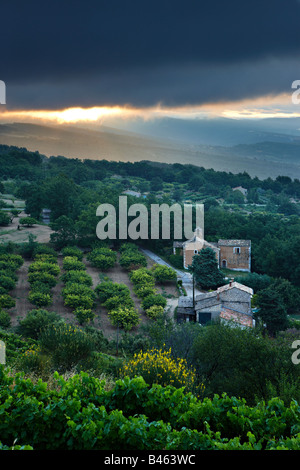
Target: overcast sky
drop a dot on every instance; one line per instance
(67, 53)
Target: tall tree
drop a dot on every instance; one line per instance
(272, 310)
(205, 269)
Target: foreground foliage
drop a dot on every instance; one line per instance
(82, 413)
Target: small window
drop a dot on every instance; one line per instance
(196, 252)
(237, 250)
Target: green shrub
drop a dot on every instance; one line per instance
(72, 263)
(144, 291)
(74, 277)
(176, 261)
(72, 251)
(75, 301)
(118, 301)
(40, 287)
(7, 283)
(9, 273)
(131, 259)
(66, 344)
(154, 311)
(44, 267)
(102, 258)
(153, 299)
(107, 289)
(36, 321)
(42, 277)
(82, 413)
(78, 289)
(45, 258)
(163, 273)
(5, 320)
(6, 301)
(15, 260)
(142, 277)
(84, 315)
(124, 317)
(32, 361)
(43, 248)
(40, 299)
(28, 221)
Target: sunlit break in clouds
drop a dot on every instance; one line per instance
(259, 108)
(70, 115)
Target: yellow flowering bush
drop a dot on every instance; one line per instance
(158, 366)
(32, 360)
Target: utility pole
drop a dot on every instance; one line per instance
(117, 352)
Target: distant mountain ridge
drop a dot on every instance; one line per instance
(268, 158)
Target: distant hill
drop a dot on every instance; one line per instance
(264, 159)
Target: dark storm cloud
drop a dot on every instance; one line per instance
(143, 52)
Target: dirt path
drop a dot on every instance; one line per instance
(20, 294)
(11, 232)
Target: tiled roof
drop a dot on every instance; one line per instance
(243, 319)
(237, 285)
(234, 242)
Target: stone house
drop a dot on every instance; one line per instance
(231, 302)
(231, 254)
(235, 254)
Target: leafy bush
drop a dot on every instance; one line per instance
(154, 311)
(5, 320)
(36, 321)
(84, 315)
(163, 273)
(142, 277)
(144, 291)
(7, 283)
(73, 251)
(118, 301)
(75, 301)
(6, 301)
(28, 221)
(82, 414)
(32, 361)
(74, 277)
(158, 366)
(78, 289)
(66, 344)
(132, 259)
(44, 267)
(102, 258)
(78, 296)
(72, 263)
(45, 258)
(124, 317)
(176, 261)
(4, 219)
(44, 249)
(42, 277)
(108, 289)
(40, 287)
(16, 261)
(40, 299)
(153, 299)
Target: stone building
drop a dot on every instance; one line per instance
(235, 254)
(231, 254)
(231, 302)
